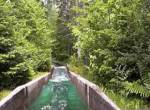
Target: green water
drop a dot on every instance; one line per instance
(59, 95)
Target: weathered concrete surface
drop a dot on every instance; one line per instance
(93, 96)
(24, 95)
(15, 100)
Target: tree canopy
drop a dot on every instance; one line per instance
(114, 35)
(25, 40)
(108, 40)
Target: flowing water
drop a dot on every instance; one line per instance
(59, 94)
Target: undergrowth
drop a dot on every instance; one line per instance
(124, 102)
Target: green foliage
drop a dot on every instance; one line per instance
(135, 88)
(4, 93)
(114, 35)
(64, 41)
(25, 41)
(76, 65)
(127, 103)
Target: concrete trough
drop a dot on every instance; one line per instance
(92, 95)
(24, 95)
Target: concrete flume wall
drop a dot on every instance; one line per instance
(24, 95)
(92, 95)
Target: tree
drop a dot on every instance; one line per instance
(64, 40)
(25, 41)
(115, 37)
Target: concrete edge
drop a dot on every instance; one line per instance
(35, 80)
(97, 90)
(9, 98)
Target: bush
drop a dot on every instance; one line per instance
(25, 41)
(76, 65)
(114, 35)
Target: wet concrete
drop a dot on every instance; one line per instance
(24, 95)
(92, 94)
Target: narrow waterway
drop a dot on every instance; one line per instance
(59, 94)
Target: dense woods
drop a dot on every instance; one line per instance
(114, 36)
(64, 40)
(25, 41)
(106, 41)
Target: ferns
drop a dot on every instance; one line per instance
(136, 88)
(116, 37)
(146, 80)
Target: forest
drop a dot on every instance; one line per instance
(105, 41)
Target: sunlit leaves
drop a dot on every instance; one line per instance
(25, 41)
(115, 36)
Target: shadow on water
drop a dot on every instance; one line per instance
(59, 94)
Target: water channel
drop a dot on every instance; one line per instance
(59, 94)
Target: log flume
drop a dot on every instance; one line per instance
(59, 90)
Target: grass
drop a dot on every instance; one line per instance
(37, 75)
(81, 70)
(5, 92)
(125, 103)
